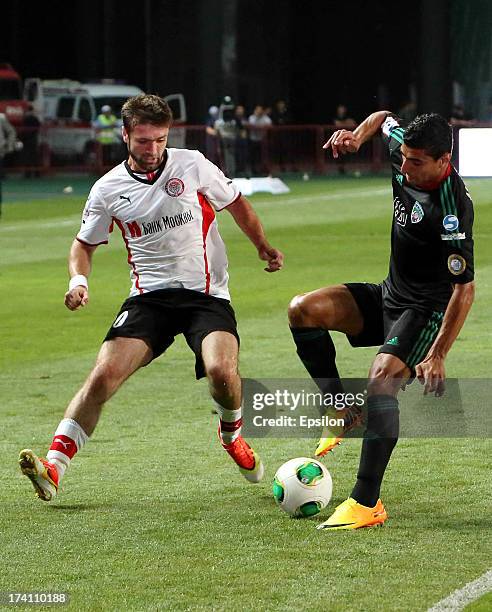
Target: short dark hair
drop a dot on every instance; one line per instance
(430, 132)
(145, 108)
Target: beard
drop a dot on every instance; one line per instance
(145, 164)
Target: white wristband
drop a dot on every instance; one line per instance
(78, 279)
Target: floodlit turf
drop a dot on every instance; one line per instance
(153, 514)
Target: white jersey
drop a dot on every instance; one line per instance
(167, 220)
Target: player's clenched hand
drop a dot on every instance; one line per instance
(431, 374)
(77, 297)
(342, 141)
(273, 256)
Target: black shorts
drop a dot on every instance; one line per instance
(159, 316)
(407, 333)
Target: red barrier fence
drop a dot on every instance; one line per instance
(276, 149)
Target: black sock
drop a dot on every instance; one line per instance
(380, 438)
(317, 352)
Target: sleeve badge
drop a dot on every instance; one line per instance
(456, 264)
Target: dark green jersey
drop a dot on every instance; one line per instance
(431, 235)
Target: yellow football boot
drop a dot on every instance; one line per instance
(352, 515)
(332, 435)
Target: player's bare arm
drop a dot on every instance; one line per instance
(248, 221)
(430, 371)
(346, 141)
(79, 268)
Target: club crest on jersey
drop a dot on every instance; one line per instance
(417, 212)
(401, 214)
(174, 187)
(456, 264)
(450, 223)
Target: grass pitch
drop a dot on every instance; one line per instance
(153, 515)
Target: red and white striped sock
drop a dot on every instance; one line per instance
(230, 422)
(68, 439)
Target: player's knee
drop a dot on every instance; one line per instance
(295, 311)
(222, 376)
(315, 310)
(300, 311)
(386, 376)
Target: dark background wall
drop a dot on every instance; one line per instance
(314, 53)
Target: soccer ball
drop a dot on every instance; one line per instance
(302, 487)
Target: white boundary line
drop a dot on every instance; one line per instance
(22, 226)
(462, 597)
(334, 195)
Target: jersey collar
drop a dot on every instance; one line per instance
(436, 185)
(150, 177)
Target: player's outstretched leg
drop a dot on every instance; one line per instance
(117, 360)
(219, 353)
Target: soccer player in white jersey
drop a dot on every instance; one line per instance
(164, 202)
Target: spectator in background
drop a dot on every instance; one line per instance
(242, 142)
(106, 126)
(225, 127)
(211, 137)
(281, 139)
(280, 114)
(30, 139)
(342, 119)
(258, 121)
(8, 138)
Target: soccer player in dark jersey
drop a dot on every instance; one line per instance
(415, 314)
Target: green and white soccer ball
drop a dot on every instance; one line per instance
(302, 487)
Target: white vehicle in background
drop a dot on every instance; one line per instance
(68, 111)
